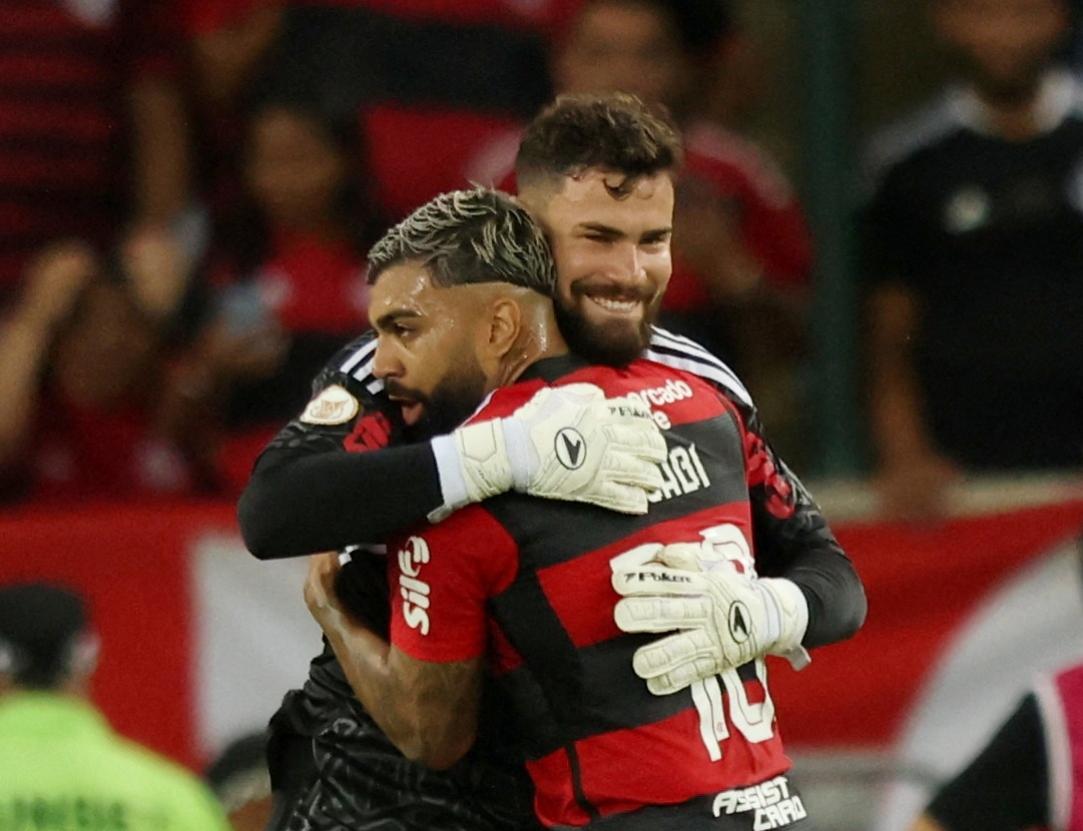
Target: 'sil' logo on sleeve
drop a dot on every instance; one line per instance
(415, 592)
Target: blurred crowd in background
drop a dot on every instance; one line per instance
(188, 189)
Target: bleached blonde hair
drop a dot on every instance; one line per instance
(470, 236)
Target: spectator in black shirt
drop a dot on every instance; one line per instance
(975, 237)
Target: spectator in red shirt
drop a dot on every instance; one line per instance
(93, 129)
(429, 81)
(288, 272)
(86, 395)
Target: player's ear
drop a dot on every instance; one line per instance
(505, 325)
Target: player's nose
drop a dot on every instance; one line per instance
(385, 364)
(629, 262)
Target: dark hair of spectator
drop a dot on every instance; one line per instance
(245, 238)
(615, 131)
(41, 629)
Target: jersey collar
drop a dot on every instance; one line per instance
(552, 369)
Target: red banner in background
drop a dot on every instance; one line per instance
(922, 584)
(136, 566)
(133, 565)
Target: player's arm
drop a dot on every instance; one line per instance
(803, 593)
(790, 535)
(793, 541)
(807, 588)
(428, 710)
(913, 474)
(1005, 787)
(330, 480)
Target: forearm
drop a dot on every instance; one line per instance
(897, 425)
(836, 599)
(799, 546)
(363, 656)
(23, 347)
(429, 723)
(296, 505)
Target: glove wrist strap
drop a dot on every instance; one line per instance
(792, 609)
(520, 453)
(473, 465)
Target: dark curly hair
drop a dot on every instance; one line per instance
(614, 131)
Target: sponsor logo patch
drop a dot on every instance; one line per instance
(414, 591)
(571, 448)
(334, 405)
(771, 804)
(671, 392)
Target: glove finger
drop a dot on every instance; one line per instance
(640, 438)
(683, 676)
(681, 555)
(660, 614)
(652, 579)
(627, 469)
(581, 393)
(672, 652)
(614, 496)
(625, 406)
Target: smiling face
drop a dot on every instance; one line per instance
(428, 346)
(610, 237)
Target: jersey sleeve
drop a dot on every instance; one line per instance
(330, 478)
(441, 579)
(1005, 787)
(792, 539)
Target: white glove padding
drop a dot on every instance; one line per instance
(569, 443)
(727, 617)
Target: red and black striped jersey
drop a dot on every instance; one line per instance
(527, 582)
(65, 71)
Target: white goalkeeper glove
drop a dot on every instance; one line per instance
(569, 443)
(725, 618)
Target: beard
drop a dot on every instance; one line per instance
(450, 403)
(613, 343)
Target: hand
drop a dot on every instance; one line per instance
(54, 281)
(567, 443)
(157, 269)
(917, 489)
(726, 616)
(320, 596)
